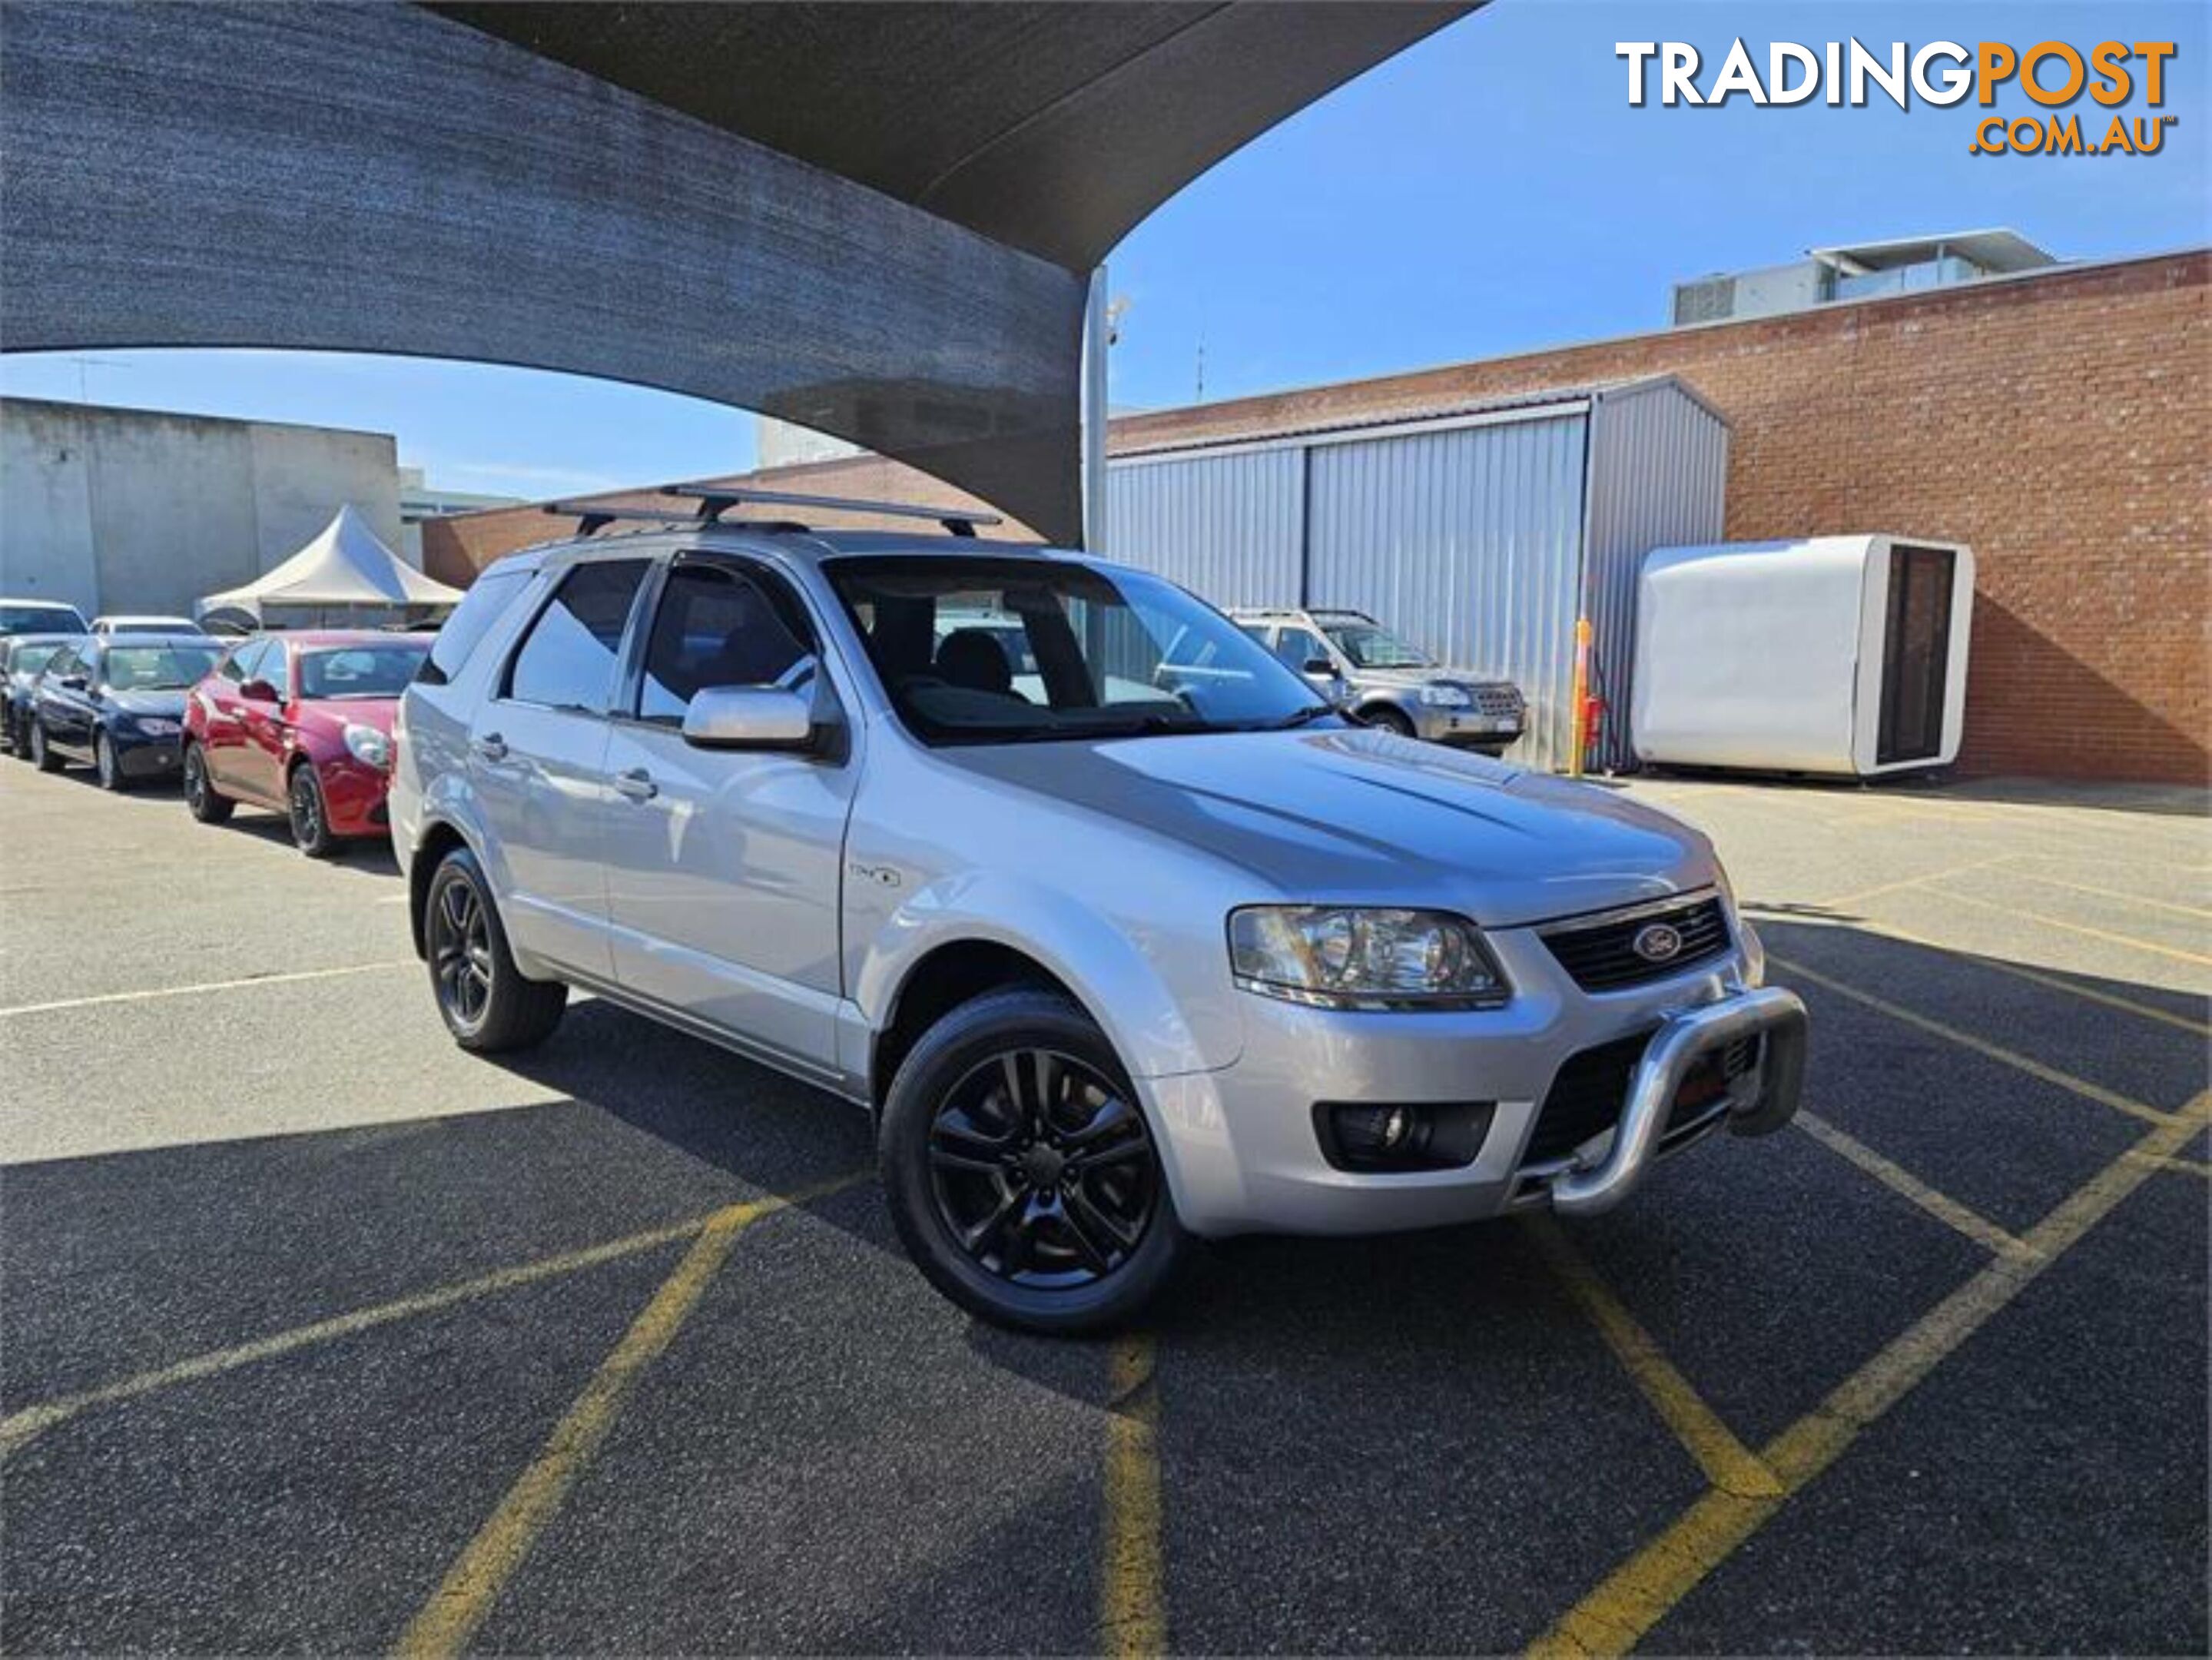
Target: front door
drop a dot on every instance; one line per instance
(263, 726)
(222, 716)
(538, 765)
(722, 867)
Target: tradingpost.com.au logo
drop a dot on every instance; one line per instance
(2052, 73)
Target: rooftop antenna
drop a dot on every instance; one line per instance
(1200, 397)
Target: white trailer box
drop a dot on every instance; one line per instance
(1840, 654)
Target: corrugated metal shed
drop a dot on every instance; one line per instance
(1479, 532)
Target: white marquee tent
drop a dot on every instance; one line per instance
(346, 568)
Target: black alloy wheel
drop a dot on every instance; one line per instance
(1042, 1170)
(202, 799)
(461, 954)
(487, 1003)
(42, 753)
(1020, 1170)
(311, 822)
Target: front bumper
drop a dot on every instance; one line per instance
(1466, 729)
(1243, 1153)
(141, 756)
(354, 797)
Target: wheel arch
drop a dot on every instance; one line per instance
(948, 975)
(440, 838)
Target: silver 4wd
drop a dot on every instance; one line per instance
(1381, 679)
(1121, 944)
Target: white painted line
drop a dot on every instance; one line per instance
(153, 992)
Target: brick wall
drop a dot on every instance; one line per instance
(2060, 423)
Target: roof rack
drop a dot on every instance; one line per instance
(716, 500)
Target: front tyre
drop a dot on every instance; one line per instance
(42, 755)
(202, 799)
(310, 814)
(1020, 1170)
(108, 765)
(1384, 718)
(485, 1002)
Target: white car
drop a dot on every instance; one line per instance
(1117, 953)
(120, 623)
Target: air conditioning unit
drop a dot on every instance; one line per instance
(1836, 655)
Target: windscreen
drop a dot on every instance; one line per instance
(29, 659)
(982, 651)
(28, 619)
(377, 671)
(158, 668)
(1370, 646)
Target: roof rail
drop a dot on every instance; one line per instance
(715, 499)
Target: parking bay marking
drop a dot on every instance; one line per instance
(2033, 1068)
(1644, 1589)
(1941, 1206)
(481, 1570)
(1131, 1616)
(19, 1426)
(1727, 1462)
(204, 986)
(2115, 893)
(2017, 970)
(2020, 913)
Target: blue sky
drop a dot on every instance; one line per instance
(1490, 191)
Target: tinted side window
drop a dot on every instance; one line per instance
(568, 658)
(276, 668)
(62, 662)
(233, 666)
(714, 628)
(484, 603)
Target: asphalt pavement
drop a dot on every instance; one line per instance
(316, 1334)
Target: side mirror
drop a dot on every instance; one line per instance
(750, 718)
(75, 682)
(258, 692)
(1321, 667)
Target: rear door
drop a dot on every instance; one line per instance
(65, 711)
(222, 730)
(537, 767)
(723, 866)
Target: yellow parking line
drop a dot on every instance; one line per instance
(2017, 970)
(2179, 1166)
(1941, 1206)
(1727, 1462)
(1132, 1606)
(473, 1584)
(1865, 894)
(18, 1428)
(1615, 1616)
(2033, 1068)
(204, 986)
(2115, 893)
(2021, 914)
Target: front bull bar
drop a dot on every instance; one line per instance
(1770, 1012)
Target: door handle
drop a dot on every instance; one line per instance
(491, 747)
(637, 784)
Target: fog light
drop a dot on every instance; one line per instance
(1356, 1136)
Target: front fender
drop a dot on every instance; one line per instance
(1165, 1008)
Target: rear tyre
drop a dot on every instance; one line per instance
(42, 755)
(485, 1002)
(1020, 1170)
(108, 765)
(202, 799)
(1384, 718)
(310, 813)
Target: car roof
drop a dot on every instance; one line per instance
(15, 640)
(39, 604)
(140, 616)
(139, 642)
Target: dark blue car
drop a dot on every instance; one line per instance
(22, 657)
(118, 702)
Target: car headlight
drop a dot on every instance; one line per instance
(368, 745)
(153, 726)
(1446, 697)
(1340, 957)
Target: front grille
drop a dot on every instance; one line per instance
(1601, 955)
(1588, 1091)
(1498, 700)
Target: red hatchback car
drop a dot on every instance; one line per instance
(301, 724)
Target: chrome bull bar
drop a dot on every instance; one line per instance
(1770, 1012)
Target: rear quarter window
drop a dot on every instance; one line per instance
(482, 605)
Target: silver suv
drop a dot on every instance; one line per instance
(1381, 679)
(1120, 944)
